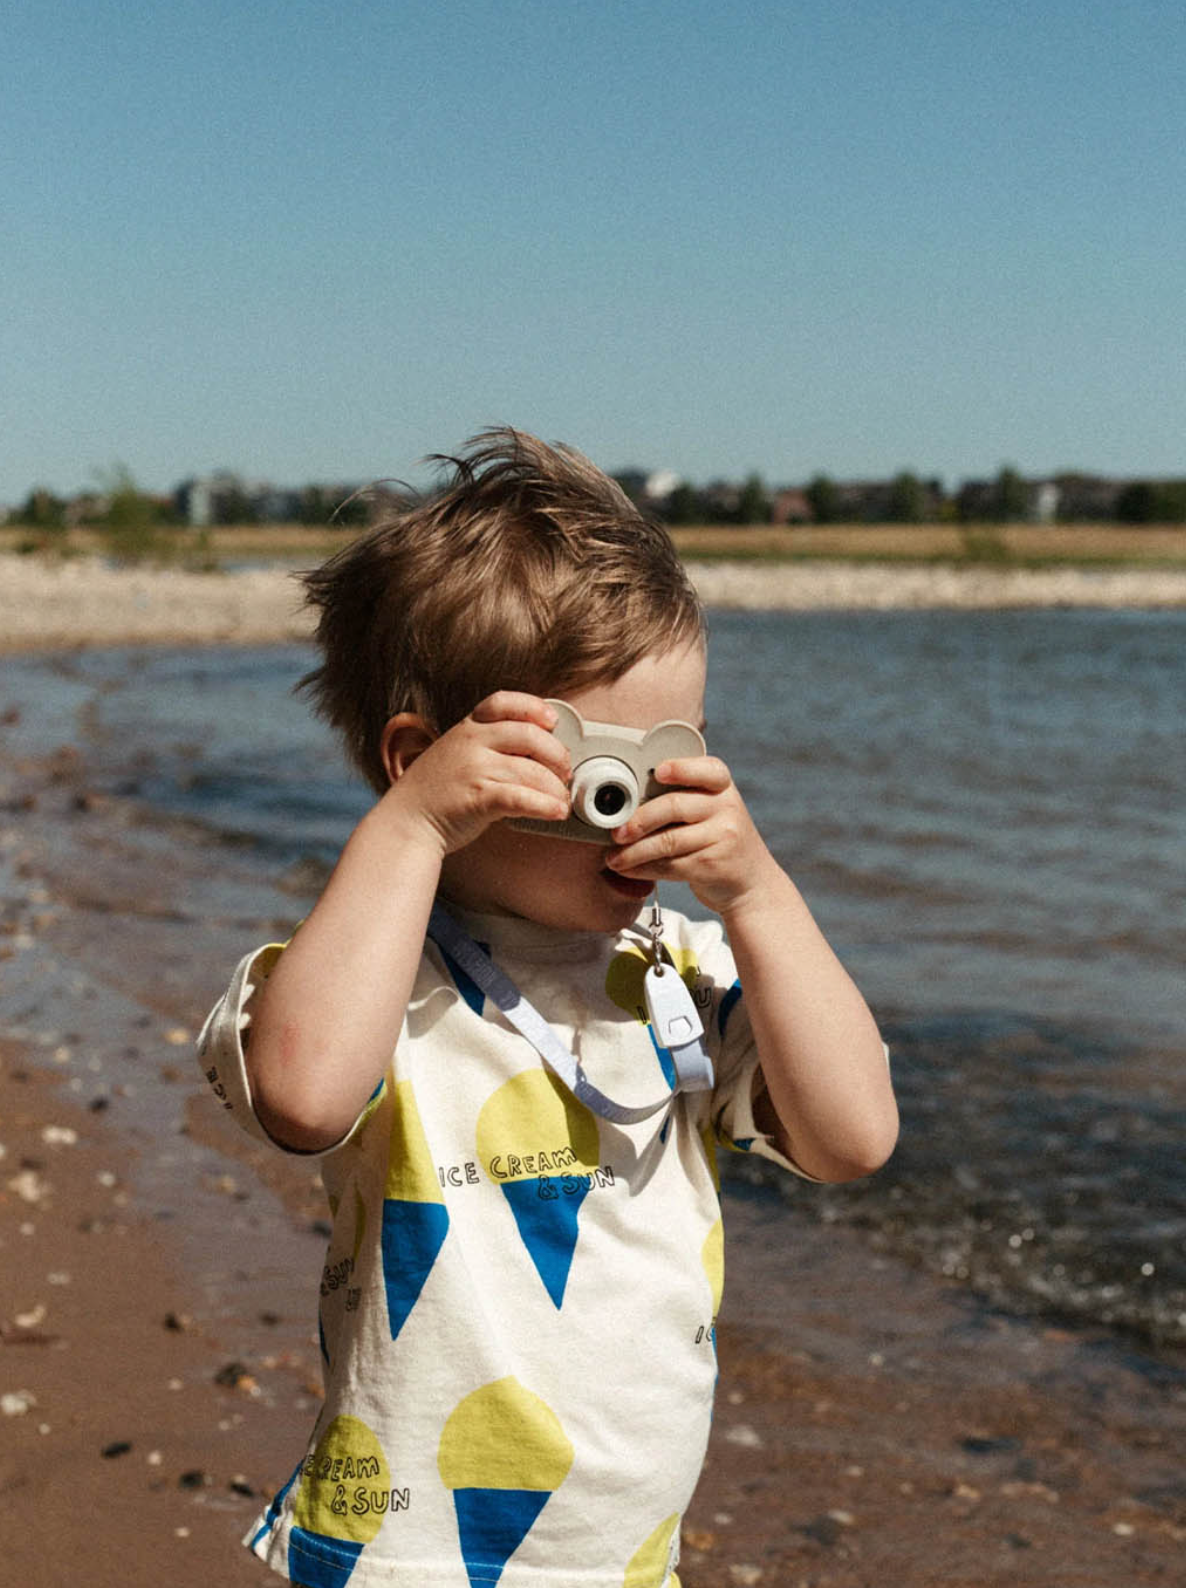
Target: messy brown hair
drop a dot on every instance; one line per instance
(527, 569)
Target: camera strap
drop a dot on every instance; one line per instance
(692, 1065)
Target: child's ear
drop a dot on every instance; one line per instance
(404, 738)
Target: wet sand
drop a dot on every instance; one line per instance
(50, 605)
(158, 1359)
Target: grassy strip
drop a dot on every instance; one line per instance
(1103, 546)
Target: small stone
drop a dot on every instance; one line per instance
(746, 1576)
(977, 1445)
(178, 1037)
(231, 1374)
(17, 1402)
(1123, 1529)
(824, 1530)
(745, 1436)
(59, 1136)
(29, 1186)
(118, 1447)
(195, 1478)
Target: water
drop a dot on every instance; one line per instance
(985, 813)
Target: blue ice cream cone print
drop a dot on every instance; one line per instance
(415, 1219)
(503, 1454)
(345, 1492)
(541, 1146)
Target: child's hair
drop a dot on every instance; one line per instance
(528, 569)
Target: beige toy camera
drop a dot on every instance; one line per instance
(613, 772)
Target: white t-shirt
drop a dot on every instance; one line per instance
(518, 1297)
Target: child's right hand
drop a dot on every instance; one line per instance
(501, 761)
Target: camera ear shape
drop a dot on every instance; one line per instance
(404, 737)
(671, 741)
(570, 725)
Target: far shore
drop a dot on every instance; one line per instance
(54, 605)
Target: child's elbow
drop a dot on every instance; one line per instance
(297, 1118)
(863, 1152)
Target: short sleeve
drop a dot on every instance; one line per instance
(730, 1040)
(224, 1038)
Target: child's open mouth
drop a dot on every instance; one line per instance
(628, 887)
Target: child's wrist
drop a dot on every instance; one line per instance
(404, 820)
(769, 892)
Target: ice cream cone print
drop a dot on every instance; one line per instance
(345, 1491)
(415, 1219)
(541, 1145)
(712, 1256)
(503, 1454)
(650, 1563)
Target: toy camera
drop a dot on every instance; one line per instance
(613, 772)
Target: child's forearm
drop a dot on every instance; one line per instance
(325, 1023)
(822, 1058)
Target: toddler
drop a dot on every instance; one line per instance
(494, 1047)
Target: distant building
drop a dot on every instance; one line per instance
(791, 506)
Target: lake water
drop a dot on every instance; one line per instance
(986, 813)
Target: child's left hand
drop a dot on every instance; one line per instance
(700, 833)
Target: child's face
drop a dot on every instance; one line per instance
(557, 881)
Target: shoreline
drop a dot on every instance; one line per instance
(83, 601)
(873, 1423)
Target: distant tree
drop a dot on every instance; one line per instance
(1152, 502)
(232, 505)
(1010, 496)
(130, 521)
(1137, 503)
(907, 502)
(683, 506)
(753, 505)
(824, 498)
(1171, 502)
(41, 509)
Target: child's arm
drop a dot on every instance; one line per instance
(325, 1023)
(821, 1056)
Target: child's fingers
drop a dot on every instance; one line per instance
(526, 738)
(681, 807)
(659, 851)
(707, 772)
(515, 704)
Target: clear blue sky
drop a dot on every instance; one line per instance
(317, 240)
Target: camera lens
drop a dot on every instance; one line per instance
(605, 791)
(609, 799)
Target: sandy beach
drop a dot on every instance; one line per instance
(82, 601)
(158, 1354)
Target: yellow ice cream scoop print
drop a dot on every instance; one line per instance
(648, 1565)
(541, 1146)
(503, 1453)
(344, 1492)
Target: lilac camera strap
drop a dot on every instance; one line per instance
(496, 985)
